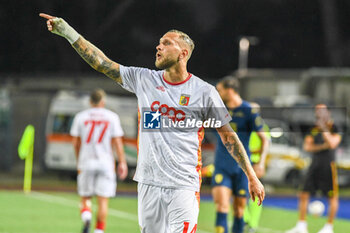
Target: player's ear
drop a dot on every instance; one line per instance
(103, 102)
(184, 54)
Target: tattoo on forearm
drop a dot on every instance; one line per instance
(236, 149)
(97, 59)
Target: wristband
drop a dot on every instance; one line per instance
(62, 28)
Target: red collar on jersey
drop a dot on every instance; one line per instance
(188, 78)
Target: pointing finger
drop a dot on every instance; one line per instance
(46, 16)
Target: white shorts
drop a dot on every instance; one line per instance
(97, 182)
(164, 210)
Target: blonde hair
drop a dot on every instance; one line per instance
(96, 96)
(185, 38)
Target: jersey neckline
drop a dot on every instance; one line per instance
(179, 83)
(238, 107)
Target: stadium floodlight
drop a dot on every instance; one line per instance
(244, 44)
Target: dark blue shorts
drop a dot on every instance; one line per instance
(236, 181)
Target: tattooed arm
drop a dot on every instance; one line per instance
(91, 54)
(237, 151)
(97, 59)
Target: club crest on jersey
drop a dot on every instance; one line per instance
(184, 100)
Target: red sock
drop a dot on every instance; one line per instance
(85, 209)
(100, 225)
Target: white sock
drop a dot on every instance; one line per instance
(301, 224)
(98, 231)
(86, 216)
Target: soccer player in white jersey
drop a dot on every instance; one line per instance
(96, 133)
(169, 160)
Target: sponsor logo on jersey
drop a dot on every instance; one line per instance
(238, 114)
(163, 116)
(184, 100)
(171, 112)
(161, 88)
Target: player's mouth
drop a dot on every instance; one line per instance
(158, 55)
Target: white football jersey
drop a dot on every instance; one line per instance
(96, 127)
(170, 157)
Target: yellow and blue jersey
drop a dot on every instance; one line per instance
(245, 120)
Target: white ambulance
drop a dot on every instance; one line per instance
(59, 154)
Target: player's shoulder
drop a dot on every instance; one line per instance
(109, 113)
(200, 84)
(82, 113)
(251, 107)
(313, 131)
(141, 70)
(246, 106)
(334, 129)
(80, 116)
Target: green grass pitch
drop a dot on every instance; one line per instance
(58, 212)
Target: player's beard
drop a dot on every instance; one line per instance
(165, 63)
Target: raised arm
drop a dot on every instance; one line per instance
(97, 59)
(90, 53)
(237, 151)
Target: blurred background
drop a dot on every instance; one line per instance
(288, 54)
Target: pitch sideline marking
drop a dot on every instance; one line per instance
(260, 229)
(67, 202)
(268, 230)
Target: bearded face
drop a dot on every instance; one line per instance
(168, 51)
(164, 63)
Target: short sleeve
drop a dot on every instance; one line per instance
(74, 130)
(131, 77)
(256, 122)
(117, 130)
(216, 109)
